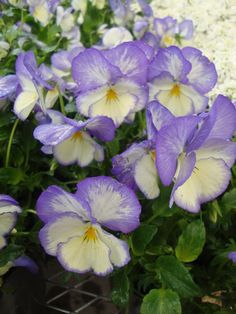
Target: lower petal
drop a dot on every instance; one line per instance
(24, 104)
(209, 179)
(146, 178)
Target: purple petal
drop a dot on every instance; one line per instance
(91, 70)
(186, 29)
(156, 117)
(170, 60)
(49, 134)
(130, 60)
(171, 142)
(203, 74)
(146, 8)
(113, 204)
(186, 167)
(148, 50)
(219, 123)
(232, 256)
(101, 127)
(8, 86)
(55, 200)
(124, 163)
(25, 261)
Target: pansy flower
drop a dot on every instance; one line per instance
(73, 224)
(71, 141)
(32, 85)
(197, 154)
(136, 167)
(180, 79)
(9, 208)
(232, 256)
(112, 83)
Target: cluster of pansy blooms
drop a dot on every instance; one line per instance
(187, 144)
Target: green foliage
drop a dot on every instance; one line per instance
(191, 242)
(173, 274)
(161, 301)
(141, 237)
(121, 288)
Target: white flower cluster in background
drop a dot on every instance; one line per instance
(214, 33)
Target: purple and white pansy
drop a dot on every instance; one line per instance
(9, 208)
(196, 153)
(112, 83)
(179, 80)
(73, 224)
(72, 141)
(32, 82)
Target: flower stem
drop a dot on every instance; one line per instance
(10, 142)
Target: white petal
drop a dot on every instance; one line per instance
(7, 222)
(119, 252)
(73, 150)
(59, 230)
(208, 180)
(81, 255)
(24, 104)
(146, 178)
(51, 97)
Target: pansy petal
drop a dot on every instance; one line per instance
(85, 100)
(25, 261)
(80, 256)
(55, 200)
(199, 101)
(7, 222)
(123, 164)
(145, 175)
(90, 70)
(203, 74)
(130, 60)
(80, 149)
(171, 141)
(184, 171)
(3, 242)
(8, 204)
(119, 251)
(170, 60)
(225, 118)
(8, 85)
(59, 229)
(156, 117)
(208, 180)
(219, 149)
(113, 204)
(24, 104)
(186, 30)
(101, 127)
(50, 134)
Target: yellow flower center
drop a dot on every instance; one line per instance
(175, 90)
(90, 234)
(77, 136)
(153, 155)
(168, 40)
(111, 95)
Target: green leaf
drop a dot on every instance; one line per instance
(228, 201)
(10, 253)
(174, 275)
(191, 242)
(161, 207)
(161, 301)
(120, 293)
(141, 237)
(11, 175)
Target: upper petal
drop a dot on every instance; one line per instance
(55, 200)
(90, 70)
(113, 204)
(171, 141)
